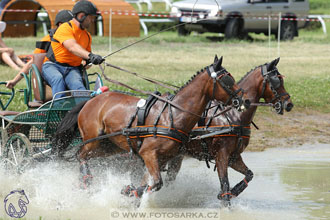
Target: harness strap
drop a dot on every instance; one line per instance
(144, 110)
(201, 121)
(255, 125)
(206, 154)
(161, 131)
(170, 114)
(222, 130)
(158, 117)
(129, 125)
(213, 116)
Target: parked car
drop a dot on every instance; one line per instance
(235, 18)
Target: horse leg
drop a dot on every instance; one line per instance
(85, 173)
(222, 159)
(137, 170)
(173, 168)
(240, 166)
(132, 191)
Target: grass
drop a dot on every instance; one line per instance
(173, 59)
(167, 57)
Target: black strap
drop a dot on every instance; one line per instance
(170, 114)
(43, 45)
(50, 53)
(144, 110)
(150, 130)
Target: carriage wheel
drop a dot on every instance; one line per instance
(3, 139)
(17, 152)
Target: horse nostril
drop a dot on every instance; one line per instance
(288, 106)
(247, 103)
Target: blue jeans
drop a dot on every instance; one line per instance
(61, 78)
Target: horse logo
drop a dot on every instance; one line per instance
(16, 197)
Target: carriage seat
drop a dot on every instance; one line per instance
(42, 92)
(6, 113)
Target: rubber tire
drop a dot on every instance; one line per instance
(19, 145)
(182, 31)
(232, 29)
(288, 30)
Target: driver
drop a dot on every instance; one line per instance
(70, 45)
(41, 46)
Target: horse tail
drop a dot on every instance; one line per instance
(66, 130)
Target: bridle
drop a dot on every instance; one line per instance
(273, 78)
(225, 79)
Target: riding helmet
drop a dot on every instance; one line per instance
(84, 6)
(63, 16)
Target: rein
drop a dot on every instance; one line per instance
(157, 96)
(157, 82)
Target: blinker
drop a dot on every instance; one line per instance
(228, 81)
(275, 81)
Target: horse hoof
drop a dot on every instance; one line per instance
(129, 191)
(86, 182)
(225, 199)
(225, 203)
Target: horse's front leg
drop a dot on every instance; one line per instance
(151, 161)
(238, 165)
(222, 159)
(149, 154)
(85, 173)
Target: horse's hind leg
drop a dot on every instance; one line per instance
(238, 165)
(222, 159)
(173, 168)
(85, 173)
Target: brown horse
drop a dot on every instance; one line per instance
(115, 113)
(226, 147)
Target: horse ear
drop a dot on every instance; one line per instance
(216, 58)
(218, 64)
(277, 60)
(272, 64)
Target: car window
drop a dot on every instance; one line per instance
(275, 1)
(256, 1)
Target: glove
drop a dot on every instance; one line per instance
(95, 59)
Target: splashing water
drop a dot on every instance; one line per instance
(53, 189)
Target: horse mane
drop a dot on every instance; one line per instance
(252, 70)
(189, 81)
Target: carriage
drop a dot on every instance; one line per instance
(27, 135)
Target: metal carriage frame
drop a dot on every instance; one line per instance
(27, 135)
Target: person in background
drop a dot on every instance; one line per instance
(7, 54)
(70, 46)
(42, 46)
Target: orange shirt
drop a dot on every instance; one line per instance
(38, 50)
(66, 32)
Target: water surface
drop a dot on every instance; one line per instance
(289, 183)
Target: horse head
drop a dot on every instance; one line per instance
(223, 81)
(273, 90)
